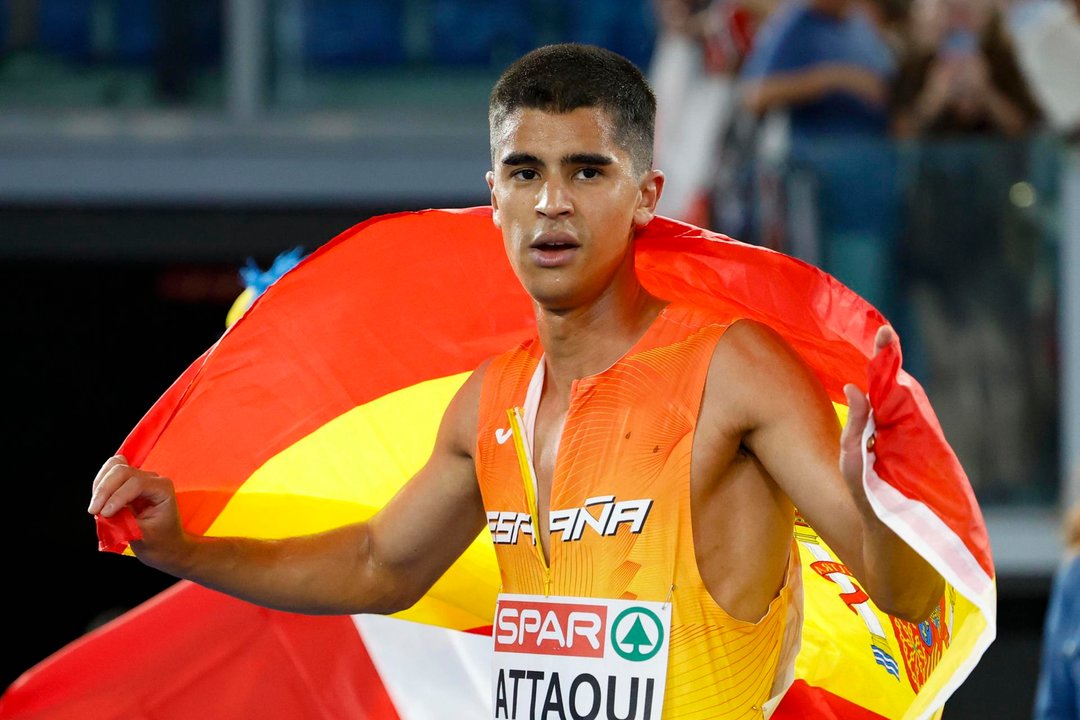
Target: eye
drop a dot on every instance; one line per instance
(588, 173)
(525, 174)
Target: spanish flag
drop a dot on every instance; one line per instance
(324, 398)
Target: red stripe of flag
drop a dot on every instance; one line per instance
(190, 652)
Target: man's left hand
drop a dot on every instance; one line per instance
(851, 457)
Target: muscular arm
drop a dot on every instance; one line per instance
(383, 565)
(792, 429)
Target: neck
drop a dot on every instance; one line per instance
(589, 339)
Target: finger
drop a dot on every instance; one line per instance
(113, 478)
(858, 412)
(139, 486)
(109, 465)
(885, 336)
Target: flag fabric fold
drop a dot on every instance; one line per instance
(324, 397)
(190, 652)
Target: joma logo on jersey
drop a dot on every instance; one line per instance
(572, 522)
(550, 628)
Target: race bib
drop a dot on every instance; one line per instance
(579, 658)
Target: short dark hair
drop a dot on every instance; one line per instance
(564, 77)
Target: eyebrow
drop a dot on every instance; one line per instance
(587, 159)
(520, 158)
(523, 158)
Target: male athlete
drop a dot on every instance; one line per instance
(635, 451)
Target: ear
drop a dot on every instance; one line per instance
(489, 177)
(652, 185)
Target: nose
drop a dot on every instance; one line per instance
(554, 199)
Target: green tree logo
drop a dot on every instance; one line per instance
(630, 638)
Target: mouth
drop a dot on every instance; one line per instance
(553, 249)
(554, 242)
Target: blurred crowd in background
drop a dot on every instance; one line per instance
(908, 148)
(912, 148)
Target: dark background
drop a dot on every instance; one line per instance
(105, 307)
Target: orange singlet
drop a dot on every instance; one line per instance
(620, 511)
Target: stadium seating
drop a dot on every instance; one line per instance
(479, 33)
(626, 26)
(345, 33)
(65, 29)
(123, 31)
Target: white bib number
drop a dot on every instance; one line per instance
(579, 658)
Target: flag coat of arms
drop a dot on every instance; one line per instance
(315, 406)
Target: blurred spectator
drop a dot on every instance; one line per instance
(699, 48)
(891, 19)
(824, 63)
(1056, 695)
(962, 75)
(1046, 34)
(970, 253)
(820, 72)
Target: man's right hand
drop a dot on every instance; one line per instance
(383, 564)
(152, 500)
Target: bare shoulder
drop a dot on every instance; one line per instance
(753, 336)
(752, 351)
(756, 378)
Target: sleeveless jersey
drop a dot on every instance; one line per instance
(620, 511)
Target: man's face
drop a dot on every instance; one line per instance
(568, 200)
